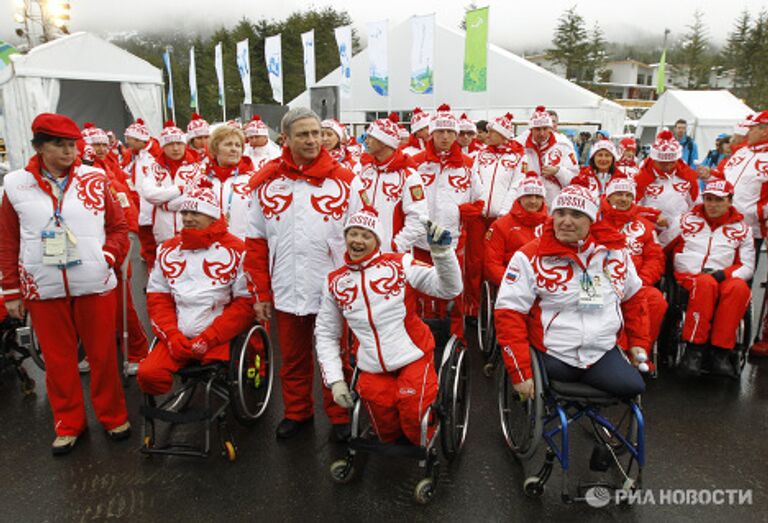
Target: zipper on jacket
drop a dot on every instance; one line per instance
(493, 180)
(370, 321)
(706, 256)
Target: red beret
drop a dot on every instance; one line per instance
(56, 125)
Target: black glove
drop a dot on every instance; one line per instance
(719, 276)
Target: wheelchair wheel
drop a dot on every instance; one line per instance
(455, 395)
(424, 491)
(486, 334)
(34, 347)
(251, 373)
(342, 471)
(743, 339)
(521, 420)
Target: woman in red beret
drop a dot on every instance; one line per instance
(62, 235)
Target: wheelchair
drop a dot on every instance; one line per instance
(450, 410)
(243, 384)
(616, 426)
(17, 343)
(675, 346)
(486, 328)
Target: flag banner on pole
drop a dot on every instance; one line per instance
(6, 50)
(422, 54)
(167, 62)
(661, 74)
(219, 65)
(378, 71)
(244, 67)
(344, 43)
(193, 103)
(274, 60)
(308, 43)
(476, 51)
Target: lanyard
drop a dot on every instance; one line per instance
(587, 285)
(234, 176)
(60, 197)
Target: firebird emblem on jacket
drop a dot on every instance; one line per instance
(222, 270)
(273, 201)
(552, 277)
(90, 190)
(171, 268)
(332, 205)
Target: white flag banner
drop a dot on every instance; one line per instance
(344, 43)
(378, 69)
(219, 66)
(274, 60)
(308, 43)
(422, 53)
(244, 67)
(194, 102)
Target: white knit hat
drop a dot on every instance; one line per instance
(386, 131)
(256, 127)
(337, 127)
(503, 125)
(540, 118)
(604, 144)
(366, 218)
(466, 125)
(138, 131)
(171, 134)
(200, 197)
(666, 148)
(419, 119)
(197, 127)
(578, 198)
(621, 184)
(531, 186)
(93, 135)
(443, 119)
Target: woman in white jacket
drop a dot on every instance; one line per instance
(376, 294)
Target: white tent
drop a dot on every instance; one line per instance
(708, 114)
(84, 77)
(514, 85)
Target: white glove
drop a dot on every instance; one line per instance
(341, 394)
(439, 239)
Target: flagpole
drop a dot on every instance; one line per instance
(488, 66)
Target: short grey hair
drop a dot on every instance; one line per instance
(294, 115)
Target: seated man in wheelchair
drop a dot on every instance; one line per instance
(522, 224)
(376, 294)
(568, 294)
(191, 293)
(714, 259)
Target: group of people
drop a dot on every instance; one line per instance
(324, 237)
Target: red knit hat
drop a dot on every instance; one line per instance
(540, 118)
(466, 125)
(503, 125)
(56, 125)
(197, 127)
(256, 127)
(666, 148)
(138, 131)
(419, 119)
(627, 143)
(200, 197)
(386, 131)
(171, 134)
(443, 119)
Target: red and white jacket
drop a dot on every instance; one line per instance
(163, 187)
(261, 155)
(747, 170)
(453, 190)
(642, 244)
(506, 236)
(194, 286)
(538, 301)
(724, 244)
(377, 298)
(554, 153)
(396, 191)
(296, 229)
(629, 167)
(88, 209)
(500, 170)
(594, 181)
(414, 146)
(672, 193)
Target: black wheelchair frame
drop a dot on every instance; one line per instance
(243, 383)
(17, 343)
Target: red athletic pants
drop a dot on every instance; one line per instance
(726, 302)
(297, 372)
(58, 324)
(397, 400)
(155, 375)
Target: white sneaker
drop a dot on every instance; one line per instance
(84, 367)
(131, 368)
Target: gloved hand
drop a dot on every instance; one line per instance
(200, 345)
(341, 394)
(179, 346)
(719, 276)
(439, 239)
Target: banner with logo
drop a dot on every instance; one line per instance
(244, 68)
(378, 69)
(274, 60)
(193, 100)
(308, 43)
(476, 51)
(167, 62)
(219, 66)
(422, 54)
(344, 43)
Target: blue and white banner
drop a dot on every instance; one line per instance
(218, 64)
(274, 60)
(378, 69)
(344, 43)
(422, 54)
(308, 43)
(244, 67)
(167, 62)
(193, 100)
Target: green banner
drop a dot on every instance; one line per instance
(476, 51)
(6, 50)
(661, 75)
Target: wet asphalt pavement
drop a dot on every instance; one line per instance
(703, 433)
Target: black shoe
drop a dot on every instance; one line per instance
(120, 433)
(288, 428)
(340, 433)
(722, 363)
(692, 359)
(63, 445)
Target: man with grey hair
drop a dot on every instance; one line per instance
(295, 238)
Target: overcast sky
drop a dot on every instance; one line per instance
(517, 25)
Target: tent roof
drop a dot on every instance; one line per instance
(702, 107)
(82, 56)
(514, 83)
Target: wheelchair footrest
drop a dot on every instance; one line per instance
(188, 416)
(392, 450)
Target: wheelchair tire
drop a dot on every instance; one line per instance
(743, 339)
(251, 375)
(456, 399)
(342, 471)
(533, 487)
(486, 333)
(424, 491)
(34, 351)
(522, 421)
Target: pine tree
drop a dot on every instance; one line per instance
(694, 50)
(756, 49)
(734, 55)
(571, 45)
(594, 69)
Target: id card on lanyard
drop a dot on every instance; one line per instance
(59, 242)
(590, 291)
